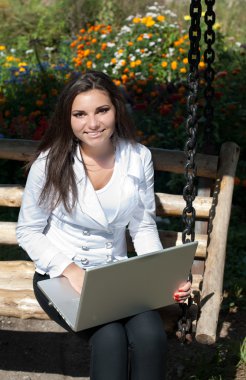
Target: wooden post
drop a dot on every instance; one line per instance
(214, 267)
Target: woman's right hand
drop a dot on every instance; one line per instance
(75, 275)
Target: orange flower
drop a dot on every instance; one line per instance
(185, 61)
(140, 38)
(104, 46)
(98, 56)
(124, 78)
(89, 64)
(183, 70)
(73, 44)
(174, 65)
(117, 82)
(94, 40)
(113, 60)
(129, 43)
(164, 64)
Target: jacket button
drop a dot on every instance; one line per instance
(109, 245)
(86, 233)
(84, 261)
(85, 248)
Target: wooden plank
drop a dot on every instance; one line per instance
(166, 204)
(7, 233)
(173, 205)
(11, 195)
(163, 159)
(214, 271)
(173, 161)
(20, 304)
(20, 150)
(16, 275)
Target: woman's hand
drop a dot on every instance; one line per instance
(183, 292)
(75, 275)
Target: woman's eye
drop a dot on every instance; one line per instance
(103, 110)
(79, 114)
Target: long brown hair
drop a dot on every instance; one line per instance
(60, 143)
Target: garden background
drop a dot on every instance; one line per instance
(143, 45)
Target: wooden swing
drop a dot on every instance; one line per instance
(209, 211)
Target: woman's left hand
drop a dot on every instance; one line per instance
(183, 292)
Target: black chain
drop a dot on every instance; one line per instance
(209, 56)
(189, 191)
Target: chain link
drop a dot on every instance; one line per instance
(189, 191)
(209, 56)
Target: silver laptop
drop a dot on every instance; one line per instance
(121, 289)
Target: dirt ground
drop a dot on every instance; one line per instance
(41, 350)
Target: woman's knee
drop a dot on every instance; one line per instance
(109, 337)
(146, 333)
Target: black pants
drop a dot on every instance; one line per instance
(136, 343)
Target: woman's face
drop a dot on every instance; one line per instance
(93, 118)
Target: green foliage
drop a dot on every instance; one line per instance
(23, 21)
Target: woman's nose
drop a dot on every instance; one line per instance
(93, 122)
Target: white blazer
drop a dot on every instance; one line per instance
(55, 239)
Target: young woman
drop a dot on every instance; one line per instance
(87, 182)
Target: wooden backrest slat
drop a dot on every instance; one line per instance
(173, 161)
(166, 204)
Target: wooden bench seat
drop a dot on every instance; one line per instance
(212, 221)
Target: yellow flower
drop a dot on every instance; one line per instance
(217, 26)
(136, 20)
(164, 64)
(183, 70)
(160, 18)
(98, 56)
(174, 65)
(10, 58)
(138, 62)
(187, 17)
(140, 38)
(88, 64)
(22, 64)
(133, 64)
(2, 47)
(120, 51)
(202, 65)
(86, 52)
(185, 61)
(150, 23)
(22, 69)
